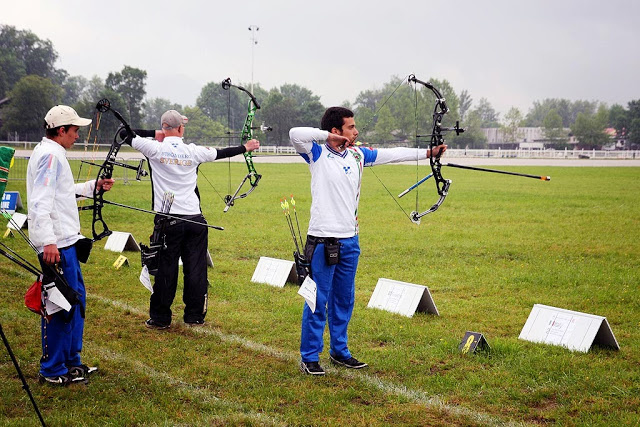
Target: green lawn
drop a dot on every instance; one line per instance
(497, 246)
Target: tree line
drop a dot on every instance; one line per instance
(30, 84)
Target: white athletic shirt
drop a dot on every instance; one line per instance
(51, 197)
(173, 167)
(336, 178)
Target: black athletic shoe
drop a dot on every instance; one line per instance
(351, 362)
(152, 324)
(311, 368)
(82, 371)
(60, 380)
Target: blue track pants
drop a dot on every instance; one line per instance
(334, 301)
(62, 335)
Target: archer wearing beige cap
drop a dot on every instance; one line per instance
(173, 120)
(174, 170)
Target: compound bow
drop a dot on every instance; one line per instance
(247, 134)
(105, 171)
(436, 139)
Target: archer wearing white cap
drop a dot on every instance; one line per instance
(54, 228)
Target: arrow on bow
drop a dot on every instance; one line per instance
(436, 139)
(105, 171)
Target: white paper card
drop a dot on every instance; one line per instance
(273, 271)
(308, 291)
(402, 298)
(18, 220)
(145, 279)
(566, 328)
(55, 301)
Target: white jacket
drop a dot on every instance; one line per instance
(174, 168)
(51, 197)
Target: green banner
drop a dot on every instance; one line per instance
(6, 157)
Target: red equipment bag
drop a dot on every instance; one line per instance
(33, 298)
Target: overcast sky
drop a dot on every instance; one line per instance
(507, 51)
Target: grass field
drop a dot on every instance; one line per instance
(497, 246)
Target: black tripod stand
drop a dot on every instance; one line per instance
(24, 381)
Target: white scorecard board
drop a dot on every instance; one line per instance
(566, 328)
(402, 298)
(274, 272)
(119, 241)
(19, 220)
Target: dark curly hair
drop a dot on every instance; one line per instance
(334, 118)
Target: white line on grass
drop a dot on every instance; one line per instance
(204, 394)
(416, 396)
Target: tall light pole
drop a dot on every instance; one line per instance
(253, 29)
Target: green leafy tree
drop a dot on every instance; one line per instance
(281, 114)
(633, 125)
(398, 112)
(22, 53)
(86, 107)
(554, 132)
(229, 106)
(589, 129)
(309, 107)
(566, 109)
(130, 84)
(489, 118)
(465, 103)
(219, 104)
(31, 97)
(511, 127)
(73, 88)
(368, 99)
(619, 119)
(473, 137)
(202, 130)
(391, 118)
(385, 126)
(153, 109)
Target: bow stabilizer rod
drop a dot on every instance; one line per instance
(215, 227)
(474, 168)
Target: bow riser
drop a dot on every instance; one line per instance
(252, 176)
(436, 139)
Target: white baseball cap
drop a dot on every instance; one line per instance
(62, 115)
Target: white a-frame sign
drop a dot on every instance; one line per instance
(120, 241)
(275, 272)
(566, 328)
(402, 298)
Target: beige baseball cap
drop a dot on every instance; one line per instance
(171, 119)
(62, 115)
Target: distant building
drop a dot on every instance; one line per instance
(529, 138)
(618, 141)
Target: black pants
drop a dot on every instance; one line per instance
(188, 241)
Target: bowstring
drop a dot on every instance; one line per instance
(365, 127)
(415, 112)
(92, 132)
(229, 140)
